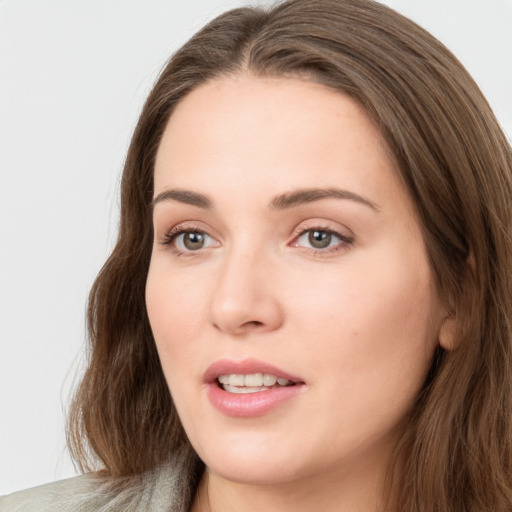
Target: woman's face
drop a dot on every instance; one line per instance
(286, 247)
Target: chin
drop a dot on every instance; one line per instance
(240, 472)
(250, 461)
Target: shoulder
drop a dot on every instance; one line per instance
(166, 488)
(58, 496)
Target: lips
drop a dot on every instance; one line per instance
(249, 388)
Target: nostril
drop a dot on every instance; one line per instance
(254, 323)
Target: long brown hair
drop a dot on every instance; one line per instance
(456, 164)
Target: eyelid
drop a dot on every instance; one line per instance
(323, 225)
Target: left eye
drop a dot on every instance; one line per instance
(319, 239)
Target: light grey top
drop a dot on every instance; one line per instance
(165, 489)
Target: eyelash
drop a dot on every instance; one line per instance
(169, 239)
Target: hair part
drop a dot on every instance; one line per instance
(455, 163)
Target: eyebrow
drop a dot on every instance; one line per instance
(280, 202)
(184, 196)
(309, 195)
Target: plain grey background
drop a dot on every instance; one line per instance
(73, 76)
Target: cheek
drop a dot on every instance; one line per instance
(176, 312)
(367, 344)
(175, 317)
(370, 321)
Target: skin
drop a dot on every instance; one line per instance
(357, 321)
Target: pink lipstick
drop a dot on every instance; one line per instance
(249, 388)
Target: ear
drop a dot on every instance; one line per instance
(448, 338)
(447, 333)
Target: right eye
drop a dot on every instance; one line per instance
(184, 240)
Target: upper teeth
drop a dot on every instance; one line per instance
(252, 380)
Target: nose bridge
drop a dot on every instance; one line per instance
(244, 299)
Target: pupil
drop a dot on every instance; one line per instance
(193, 241)
(319, 239)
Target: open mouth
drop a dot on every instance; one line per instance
(251, 383)
(249, 388)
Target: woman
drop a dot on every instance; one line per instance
(314, 259)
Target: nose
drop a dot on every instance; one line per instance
(245, 299)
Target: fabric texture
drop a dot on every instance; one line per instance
(165, 489)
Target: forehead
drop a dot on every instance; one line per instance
(269, 135)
